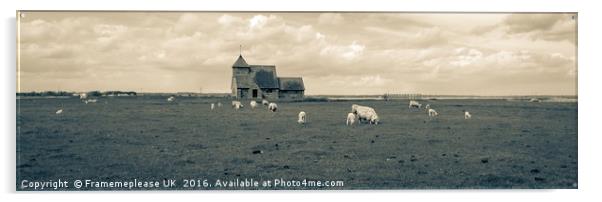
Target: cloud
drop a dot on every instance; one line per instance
(330, 18)
(422, 37)
(345, 53)
(548, 27)
(348, 52)
(521, 23)
(228, 20)
(258, 21)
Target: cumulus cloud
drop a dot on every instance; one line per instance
(335, 53)
(348, 52)
(548, 27)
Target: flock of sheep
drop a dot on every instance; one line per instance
(358, 113)
(432, 112)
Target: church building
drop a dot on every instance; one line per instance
(262, 82)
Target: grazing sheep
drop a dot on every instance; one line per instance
(467, 115)
(253, 104)
(415, 104)
(272, 107)
(212, 106)
(350, 119)
(219, 104)
(237, 105)
(90, 101)
(374, 119)
(59, 111)
(265, 102)
(356, 107)
(368, 115)
(301, 118)
(365, 113)
(433, 113)
(534, 100)
(83, 96)
(171, 98)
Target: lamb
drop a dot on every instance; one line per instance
(467, 115)
(253, 104)
(414, 104)
(433, 113)
(350, 119)
(272, 107)
(301, 119)
(265, 102)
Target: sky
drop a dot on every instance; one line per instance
(335, 53)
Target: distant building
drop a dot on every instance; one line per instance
(261, 81)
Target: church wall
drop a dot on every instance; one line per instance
(270, 94)
(291, 94)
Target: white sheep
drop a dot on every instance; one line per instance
(365, 113)
(219, 104)
(368, 115)
(467, 115)
(356, 107)
(302, 117)
(90, 101)
(265, 102)
(253, 104)
(350, 119)
(237, 105)
(171, 98)
(433, 113)
(59, 111)
(212, 106)
(374, 119)
(272, 107)
(414, 103)
(83, 96)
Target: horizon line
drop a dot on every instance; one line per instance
(355, 95)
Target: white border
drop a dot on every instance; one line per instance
(589, 65)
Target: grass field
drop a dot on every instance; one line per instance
(507, 144)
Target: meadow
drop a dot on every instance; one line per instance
(506, 144)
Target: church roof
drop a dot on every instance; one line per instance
(240, 62)
(291, 83)
(265, 76)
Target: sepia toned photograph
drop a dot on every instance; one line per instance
(215, 100)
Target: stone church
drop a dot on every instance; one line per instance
(262, 82)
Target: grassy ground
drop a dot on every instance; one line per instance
(507, 144)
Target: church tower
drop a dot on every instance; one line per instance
(240, 67)
(240, 73)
